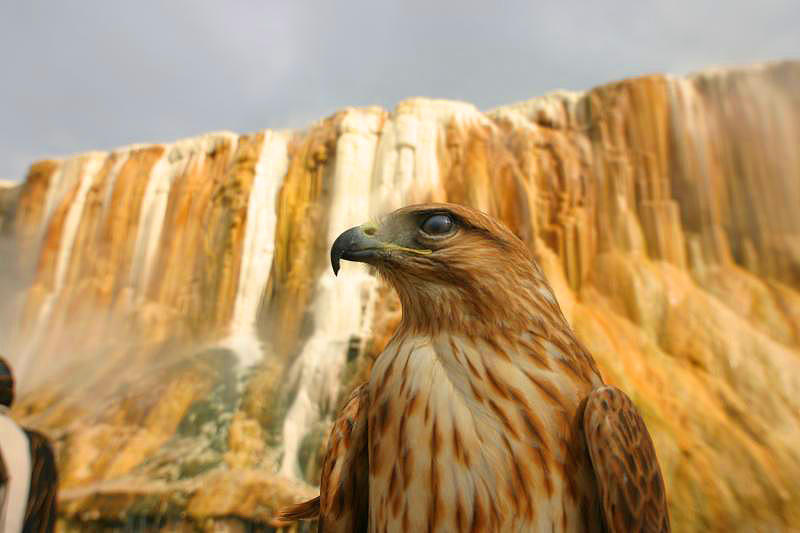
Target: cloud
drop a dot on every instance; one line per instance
(95, 75)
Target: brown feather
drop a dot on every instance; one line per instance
(625, 464)
(344, 497)
(308, 510)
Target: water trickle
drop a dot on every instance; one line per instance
(173, 163)
(151, 216)
(258, 247)
(337, 308)
(93, 163)
(62, 180)
(122, 158)
(87, 168)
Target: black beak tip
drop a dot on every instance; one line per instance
(352, 245)
(341, 246)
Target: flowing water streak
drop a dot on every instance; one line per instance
(337, 307)
(426, 178)
(151, 215)
(258, 247)
(89, 165)
(122, 158)
(93, 164)
(173, 163)
(694, 167)
(55, 191)
(62, 180)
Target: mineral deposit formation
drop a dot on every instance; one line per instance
(176, 331)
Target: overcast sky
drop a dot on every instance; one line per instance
(84, 75)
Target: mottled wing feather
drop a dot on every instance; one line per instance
(625, 464)
(343, 503)
(40, 515)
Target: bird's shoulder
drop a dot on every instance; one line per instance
(343, 503)
(625, 464)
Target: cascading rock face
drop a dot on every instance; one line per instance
(176, 328)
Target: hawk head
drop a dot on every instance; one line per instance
(452, 266)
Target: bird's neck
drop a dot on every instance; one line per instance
(528, 319)
(481, 309)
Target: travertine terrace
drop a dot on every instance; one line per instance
(181, 337)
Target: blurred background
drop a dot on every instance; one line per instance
(174, 175)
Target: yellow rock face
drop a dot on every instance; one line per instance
(182, 339)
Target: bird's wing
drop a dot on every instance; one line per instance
(343, 503)
(625, 464)
(40, 514)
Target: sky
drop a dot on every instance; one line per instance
(86, 75)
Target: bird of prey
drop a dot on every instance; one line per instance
(484, 412)
(28, 475)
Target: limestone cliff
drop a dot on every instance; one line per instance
(181, 337)
(8, 198)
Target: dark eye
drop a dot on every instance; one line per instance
(437, 225)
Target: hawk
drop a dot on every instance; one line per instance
(484, 412)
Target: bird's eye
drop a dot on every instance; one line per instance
(437, 225)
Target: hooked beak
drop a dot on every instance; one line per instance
(355, 245)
